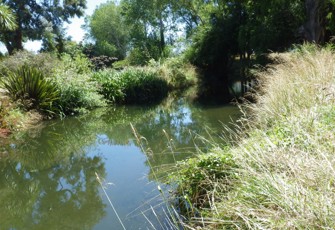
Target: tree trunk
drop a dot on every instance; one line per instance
(161, 32)
(14, 41)
(315, 27)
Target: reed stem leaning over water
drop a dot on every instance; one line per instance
(109, 200)
(171, 214)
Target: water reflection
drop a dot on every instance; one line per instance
(47, 176)
(62, 197)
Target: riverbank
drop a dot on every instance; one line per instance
(277, 171)
(41, 86)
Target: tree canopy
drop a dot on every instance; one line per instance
(108, 28)
(7, 18)
(35, 19)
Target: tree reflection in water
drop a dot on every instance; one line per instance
(47, 177)
(48, 182)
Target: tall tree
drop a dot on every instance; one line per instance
(108, 28)
(35, 17)
(320, 20)
(153, 21)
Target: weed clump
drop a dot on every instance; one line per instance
(198, 179)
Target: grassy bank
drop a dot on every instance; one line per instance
(278, 170)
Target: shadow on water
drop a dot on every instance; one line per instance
(47, 175)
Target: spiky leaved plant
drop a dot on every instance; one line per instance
(30, 87)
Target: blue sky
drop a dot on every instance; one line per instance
(73, 29)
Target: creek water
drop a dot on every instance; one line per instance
(48, 175)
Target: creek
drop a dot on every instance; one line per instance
(48, 175)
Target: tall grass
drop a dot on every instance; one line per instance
(284, 153)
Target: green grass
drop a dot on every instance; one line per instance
(283, 153)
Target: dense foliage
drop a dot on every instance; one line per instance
(39, 20)
(69, 84)
(223, 38)
(131, 86)
(29, 86)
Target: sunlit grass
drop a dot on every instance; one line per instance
(284, 152)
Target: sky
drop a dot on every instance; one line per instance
(73, 29)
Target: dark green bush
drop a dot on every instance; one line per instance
(143, 86)
(111, 85)
(179, 73)
(29, 86)
(102, 62)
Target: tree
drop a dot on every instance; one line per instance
(35, 18)
(320, 21)
(153, 25)
(107, 27)
(7, 18)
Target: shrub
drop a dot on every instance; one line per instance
(179, 73)
(196, 179)
(143, 86)
(131, 86)
(29, 86)
(45, 62)
(111, 85)
(102, 62)
(77, 92)
(78, 64)
(139, 56)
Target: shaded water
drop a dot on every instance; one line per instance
(48, 175)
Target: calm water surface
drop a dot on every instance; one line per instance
(48, 176)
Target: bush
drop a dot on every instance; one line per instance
(78, 64)
(102, 62)
(179, 73)
(45, 62)
(143, 86)
(139, 57)
(111, 85)
(196, 179)
(29, 86)
(131, 86)
(77, 93)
